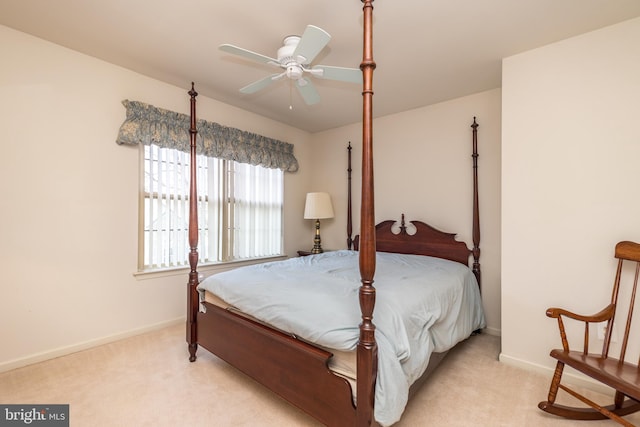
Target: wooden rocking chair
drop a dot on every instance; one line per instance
(623, 377)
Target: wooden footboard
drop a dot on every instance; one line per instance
(295, 370)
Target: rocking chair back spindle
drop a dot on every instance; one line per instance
(617, 372)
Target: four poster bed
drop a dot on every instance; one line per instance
(332, 372)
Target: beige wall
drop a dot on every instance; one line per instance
(423, 168)
(69, 211)
(570, 152)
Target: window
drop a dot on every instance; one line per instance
(239, 210)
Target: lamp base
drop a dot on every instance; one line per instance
(317, 247)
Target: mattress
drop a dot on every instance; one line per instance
(343, 363)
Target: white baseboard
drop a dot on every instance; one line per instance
(572, 377)
(492, 331)
(74, 348)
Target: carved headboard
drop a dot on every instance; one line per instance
(425, 241)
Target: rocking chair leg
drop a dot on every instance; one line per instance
(548, 405)
(555, 382)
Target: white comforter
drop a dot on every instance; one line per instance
(423, 304)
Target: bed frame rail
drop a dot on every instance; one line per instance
(293, 369)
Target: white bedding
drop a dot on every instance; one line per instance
(423, 304)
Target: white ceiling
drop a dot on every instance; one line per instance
(426, 51)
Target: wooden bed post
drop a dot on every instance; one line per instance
(367, 352)
(349, 213)
(192, 292)
(476, 210)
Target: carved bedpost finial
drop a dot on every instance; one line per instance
(403, 227)
(193, 92)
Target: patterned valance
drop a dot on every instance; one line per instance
(146, 124)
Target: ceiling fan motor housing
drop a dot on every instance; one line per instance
(285, 53)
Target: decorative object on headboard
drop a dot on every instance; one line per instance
(318, 206)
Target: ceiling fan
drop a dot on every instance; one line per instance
(294, 58)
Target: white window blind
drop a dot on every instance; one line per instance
(239, 210)
(257, 209)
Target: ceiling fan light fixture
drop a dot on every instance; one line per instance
(294, 71)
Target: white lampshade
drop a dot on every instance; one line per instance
(318, 206)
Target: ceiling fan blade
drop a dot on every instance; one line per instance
(313, 40)
(352, 75)
(308, 91)
(229, 48)
(260, 84)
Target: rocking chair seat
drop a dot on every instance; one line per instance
(624, 377)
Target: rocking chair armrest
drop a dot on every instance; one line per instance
(604, 314)
(558, 313)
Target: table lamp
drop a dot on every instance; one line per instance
(318, 206)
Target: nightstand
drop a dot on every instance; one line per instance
(305, 253)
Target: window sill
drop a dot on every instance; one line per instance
(204, 269)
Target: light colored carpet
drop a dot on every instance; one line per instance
(148, 381)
